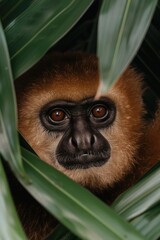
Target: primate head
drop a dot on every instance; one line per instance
(96, 142)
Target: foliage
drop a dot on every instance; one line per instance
(28, 30)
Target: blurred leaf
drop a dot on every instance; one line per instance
(140, 197)
(121, 29)
(75, 207)
(148, 223)
(141, 204)
(39, 27)
(9, 10)
(9, 147)
(11, 228)
(61, 233)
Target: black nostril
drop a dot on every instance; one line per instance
(93, 139)
(74, 142)
(83, 143)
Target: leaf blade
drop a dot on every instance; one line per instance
(11, 228)
(148, 223)
(27, 33)
(117, 48)
(140, 197)
(85, 218)
(9, 144)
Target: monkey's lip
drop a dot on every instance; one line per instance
(84, 161)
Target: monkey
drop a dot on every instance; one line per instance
(105, 144)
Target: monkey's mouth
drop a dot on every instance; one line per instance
(84, 160)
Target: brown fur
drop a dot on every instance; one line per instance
(134, 142)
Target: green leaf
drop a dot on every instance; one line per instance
(141, 204)
(141, 197)
(148, 223)
(9, 10)
(121, 29)
(9, 147)
(61, 233)
(39, 27)
(11, 228)
(75, 207)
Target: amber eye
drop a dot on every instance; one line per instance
(99, 111)
(57, 115)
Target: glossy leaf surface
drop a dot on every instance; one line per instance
(121, 29)
(140, 197)
(141, 204)
(9, 146)
(9, 10)
(148, 223)
(80, 211)
(11, 228)
(39, 27)
(61, 233)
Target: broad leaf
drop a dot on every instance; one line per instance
(80, 211)
(11, 228)
(9, 10)
(121, 29)
(141, 197)
(39, 27)
(9, 146)
(141, 204)
(148, 223)
(61, 233)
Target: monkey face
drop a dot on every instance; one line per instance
(82, 146)
(94, 142)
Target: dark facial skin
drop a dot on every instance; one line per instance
(82, 145)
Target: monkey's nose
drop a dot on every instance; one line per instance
(83, 142)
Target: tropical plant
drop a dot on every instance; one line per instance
(28, 30)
